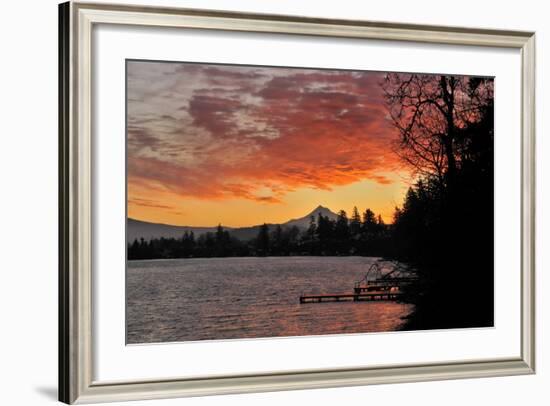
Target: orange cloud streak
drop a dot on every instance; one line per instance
(229, 132)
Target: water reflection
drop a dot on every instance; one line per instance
(228, 298)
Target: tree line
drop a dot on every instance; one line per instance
(444, 228)
(365, 234)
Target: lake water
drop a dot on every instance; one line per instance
(228, 298)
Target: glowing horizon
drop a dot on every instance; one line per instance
(245, 145)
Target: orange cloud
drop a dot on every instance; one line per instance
(225, 132)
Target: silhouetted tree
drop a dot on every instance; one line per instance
(342, 233)
(262, 241)
(292, 240)
(355, 223)
(430, 111)
(369, 226)
(325, 235)
(445, 228)
(277, 241)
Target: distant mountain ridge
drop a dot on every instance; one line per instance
(137, 229)
(303, 222)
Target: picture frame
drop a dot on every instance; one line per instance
(76, 215)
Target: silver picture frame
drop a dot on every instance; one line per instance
(76, 352)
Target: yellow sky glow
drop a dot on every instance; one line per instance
(381, 198)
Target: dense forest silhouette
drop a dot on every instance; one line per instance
(365, 234)
(443, 230)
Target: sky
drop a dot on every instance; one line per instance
(243, 145)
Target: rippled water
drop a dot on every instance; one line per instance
(228, 298)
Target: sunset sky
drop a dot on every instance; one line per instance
(242, 145)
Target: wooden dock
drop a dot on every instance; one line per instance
(352, 297)
(376, 285)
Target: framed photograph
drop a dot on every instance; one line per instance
(262, 202)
